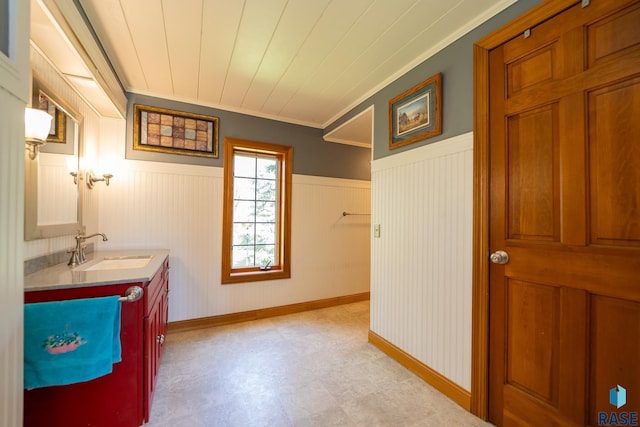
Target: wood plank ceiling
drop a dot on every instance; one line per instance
(300, 61)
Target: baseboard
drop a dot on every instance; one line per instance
(226, 319)
(444, 385)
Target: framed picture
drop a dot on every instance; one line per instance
(415, 114)
(174, 132)
(64, 131)
(57, 132)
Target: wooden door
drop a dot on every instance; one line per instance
(564, 201)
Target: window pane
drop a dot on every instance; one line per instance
(244, 233)
(243, 256)
(244, 188)
(266, 211)
(267, 168)
(266, 233)
(244, 166)
(266, 190)
(266, 253)
(244, 211)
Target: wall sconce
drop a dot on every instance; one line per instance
(72, 166)
(37, 124)
(91, 178)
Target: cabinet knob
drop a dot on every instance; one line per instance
(160, 339)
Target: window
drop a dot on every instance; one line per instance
(256, 232)
(5, 20)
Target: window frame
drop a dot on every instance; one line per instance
(282, 270)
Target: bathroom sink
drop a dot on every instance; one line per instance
(119, 263)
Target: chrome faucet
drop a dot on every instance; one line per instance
(78, 255)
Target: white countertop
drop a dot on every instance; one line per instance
(61, 276)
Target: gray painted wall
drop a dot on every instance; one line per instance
(456, 64)
(311, 154)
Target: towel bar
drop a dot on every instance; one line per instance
(134, 293)
(348, 213)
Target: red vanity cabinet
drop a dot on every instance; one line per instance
(122, 398)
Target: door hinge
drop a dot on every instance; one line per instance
(586, 3)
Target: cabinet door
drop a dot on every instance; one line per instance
(155, 331)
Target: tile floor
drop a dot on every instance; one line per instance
(306, 369)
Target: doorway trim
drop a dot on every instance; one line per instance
(480, 275)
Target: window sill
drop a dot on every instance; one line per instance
(255, 276)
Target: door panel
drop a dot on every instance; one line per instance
(532, 69)
(533, 175)
(614, 152)
(544, 324)
(612, 35)
(614, 331)
(564, 200)
(533, 327)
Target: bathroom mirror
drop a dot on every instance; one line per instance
(52, 179)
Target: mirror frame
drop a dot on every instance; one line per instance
(32, 230)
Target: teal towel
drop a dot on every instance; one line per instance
(71, 341)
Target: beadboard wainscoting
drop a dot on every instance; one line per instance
(179, 207)
(14, 93)
(11, 239)
(421, 264)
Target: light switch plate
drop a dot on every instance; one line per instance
(376, 230)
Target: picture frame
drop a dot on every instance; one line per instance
(174, 132)
(57, 132)
(63, 132)
(416, 114)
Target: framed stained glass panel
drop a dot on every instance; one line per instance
(174, 132)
